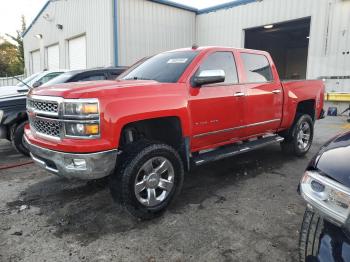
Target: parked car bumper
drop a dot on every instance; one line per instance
(71, 165)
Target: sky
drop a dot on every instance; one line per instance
(11, 11)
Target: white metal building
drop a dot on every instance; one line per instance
(307, 38)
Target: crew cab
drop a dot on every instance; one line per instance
(165, 114)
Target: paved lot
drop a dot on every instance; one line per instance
(240, 209)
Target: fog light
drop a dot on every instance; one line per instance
(79, 163)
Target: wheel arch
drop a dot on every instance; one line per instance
(167, 129)
(306, 107)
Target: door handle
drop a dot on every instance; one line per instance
(277, 91)
(238, 94)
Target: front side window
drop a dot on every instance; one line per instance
(257, 68)
(164, 67)
(221, 61)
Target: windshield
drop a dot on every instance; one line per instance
(164, 67)
(63, 78)
(27, 80)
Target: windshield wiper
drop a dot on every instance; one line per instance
(22, 82)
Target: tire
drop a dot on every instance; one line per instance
(299, 138)
(136, 169)
(17, 138)
(310, 232)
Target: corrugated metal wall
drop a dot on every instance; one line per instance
(78, 17)
(147, 28)
(329, 36)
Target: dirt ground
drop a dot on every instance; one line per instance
(245, 208)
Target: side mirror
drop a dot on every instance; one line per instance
(206, 77)
(37, 84)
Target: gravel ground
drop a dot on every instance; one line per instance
(244, 208)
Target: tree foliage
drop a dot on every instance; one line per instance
(12, 55)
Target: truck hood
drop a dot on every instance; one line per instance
(94, 89)
(333, 159)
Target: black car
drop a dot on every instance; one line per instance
(13, 115)
(325, 232)
(86, 75)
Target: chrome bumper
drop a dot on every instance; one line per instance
(81, 166)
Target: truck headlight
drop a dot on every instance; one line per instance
(81, 108)
(328, 196)
(82, 129)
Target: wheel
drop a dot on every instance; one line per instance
(147, 178)
(300, 136)
(17, 138)
(310, 232)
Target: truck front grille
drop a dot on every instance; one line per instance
(46, 126)
(43, 106)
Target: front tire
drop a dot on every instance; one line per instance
(17, 138)
(310, 232)
(299, 138)
(148, 177)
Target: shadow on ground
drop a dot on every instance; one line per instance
(87, 211)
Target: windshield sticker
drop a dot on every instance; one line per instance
(177, 61)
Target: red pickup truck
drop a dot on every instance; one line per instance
(165, 114)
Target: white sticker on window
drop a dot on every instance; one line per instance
(177, 61)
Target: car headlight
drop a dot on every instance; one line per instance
(1, 115)
(328, 196)
(81, 108)
(82, 129)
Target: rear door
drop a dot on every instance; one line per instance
(217, 109)
(263, 95)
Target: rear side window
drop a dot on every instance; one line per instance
(257, 68)
(223, 61)
(96, 77)
(114, 74)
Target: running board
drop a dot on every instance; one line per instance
(236, 149)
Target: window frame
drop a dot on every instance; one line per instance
(217, 84)
(245, 72)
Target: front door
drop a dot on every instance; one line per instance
(263, 96)
(217, 109)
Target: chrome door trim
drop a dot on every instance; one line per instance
(236, 128)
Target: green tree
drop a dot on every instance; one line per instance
(19, 42)
(10, 64)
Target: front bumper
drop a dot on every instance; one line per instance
(71, 165)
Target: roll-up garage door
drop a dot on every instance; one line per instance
(35, 61)
(77, 53)
(53, 57)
